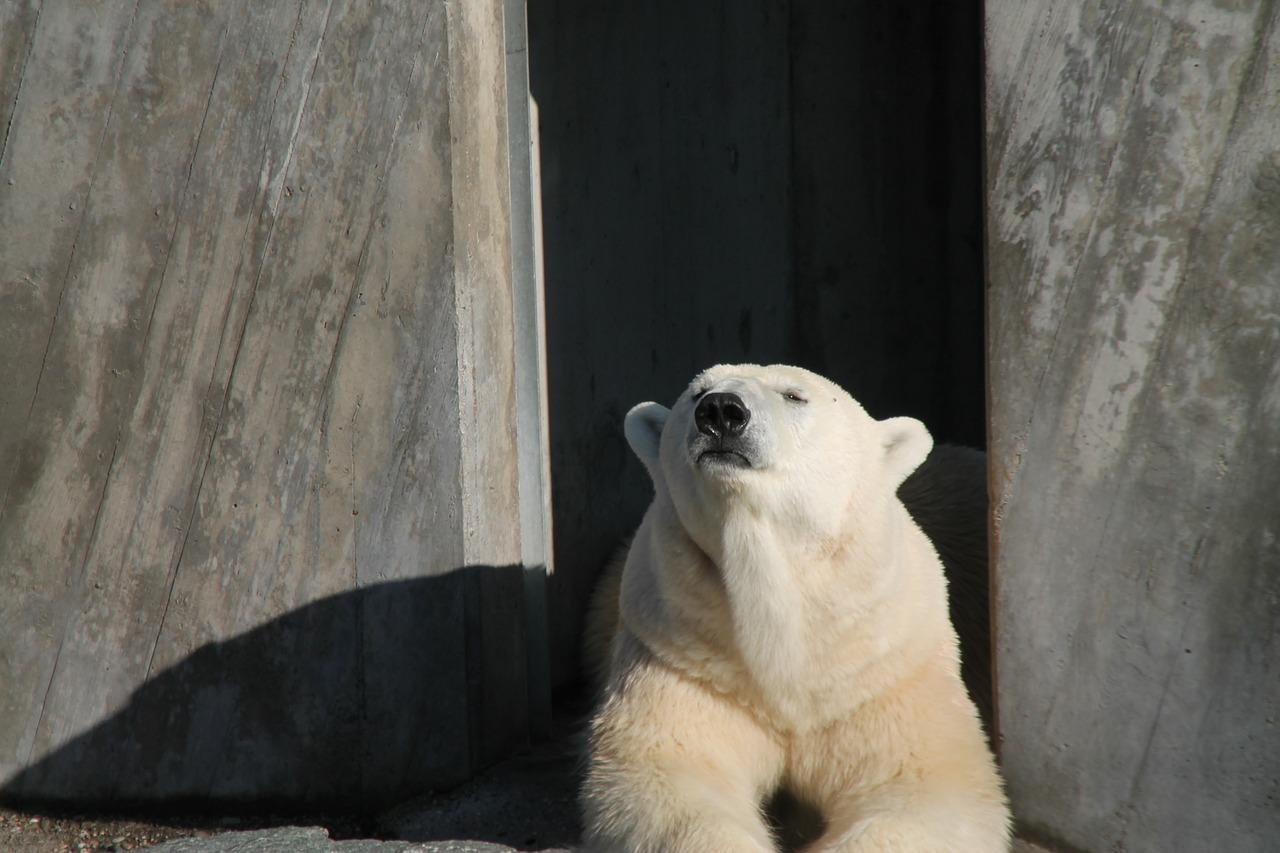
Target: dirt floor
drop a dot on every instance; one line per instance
(50, 832)
(32, 833)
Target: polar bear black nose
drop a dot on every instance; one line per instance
(721, 414)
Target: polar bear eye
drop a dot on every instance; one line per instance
(794, 397)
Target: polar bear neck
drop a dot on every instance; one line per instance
(791, 599)
(765, 602)
(759, 600)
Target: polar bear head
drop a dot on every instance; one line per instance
(781, 443)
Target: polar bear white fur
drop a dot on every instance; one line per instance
(947, 497)
(783, 628)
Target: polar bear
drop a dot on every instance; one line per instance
(947, 497)
(783, 628)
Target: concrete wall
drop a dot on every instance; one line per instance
(1133, 161)
(770, 180)
(260, 492)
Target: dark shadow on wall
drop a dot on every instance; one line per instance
(355, 702)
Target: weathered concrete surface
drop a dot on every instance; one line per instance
(1134, 322)
(259, 509)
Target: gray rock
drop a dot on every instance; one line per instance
(294, 839)
(314, 839)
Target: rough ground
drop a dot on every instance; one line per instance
(527, 803)
(70, 832)
(26, 833)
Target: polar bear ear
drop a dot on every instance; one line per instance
(906, 443)
(643, 428)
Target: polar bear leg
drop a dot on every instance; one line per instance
(919, 824)
(903, 834)
(677, 769)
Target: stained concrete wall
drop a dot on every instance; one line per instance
(260, 492)
(1133, 162)
(771, 180)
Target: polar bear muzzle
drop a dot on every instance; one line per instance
(721, 418)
